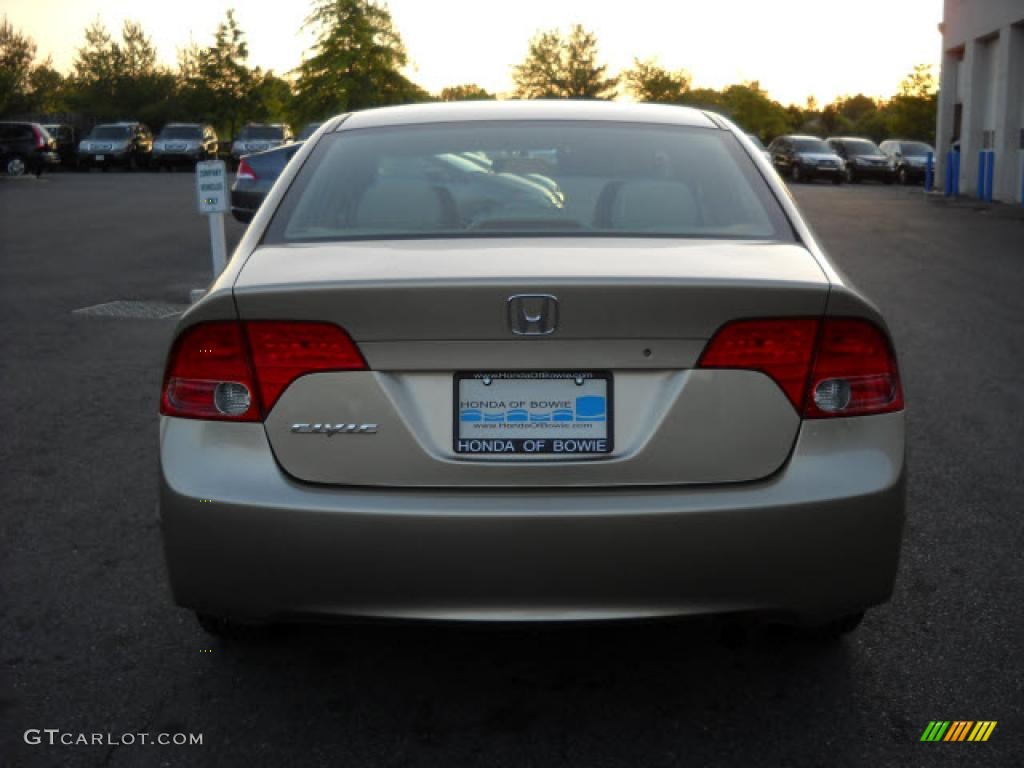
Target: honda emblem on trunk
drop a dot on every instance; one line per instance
(532, 314)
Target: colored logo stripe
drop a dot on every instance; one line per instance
(958, 730)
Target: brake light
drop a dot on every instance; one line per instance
(245, 171)
(854, 371)
(284, 351)
(208, 375)
(236, 371)
(826, 368)
(780, 349)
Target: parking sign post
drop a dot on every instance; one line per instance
(212, 191)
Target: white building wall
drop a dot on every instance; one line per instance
(982, 71)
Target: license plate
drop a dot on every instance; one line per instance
(533, 412)
(99, 158)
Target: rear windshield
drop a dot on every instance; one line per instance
(181, 132)
(110, 132)
(811, 145)
(861, 148)
(529, 178)
(262, 132)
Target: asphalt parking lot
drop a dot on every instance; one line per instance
(90, 642)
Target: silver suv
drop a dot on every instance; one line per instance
(257, 137)
(184, 143)
(127, 144)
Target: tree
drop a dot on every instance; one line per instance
(17, 52)
(651, 83)
(910, 114)
(114, 79)
(563, 68)
(466, 92)
(225, 81)
(47, 87)
(356, 61)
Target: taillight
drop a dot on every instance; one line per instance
(284, 351)
(40, 138)
(781, 349)
(854, 371)
(826, 368)
(245, 171)
(236, 371)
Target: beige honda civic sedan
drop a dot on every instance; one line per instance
(545, 361)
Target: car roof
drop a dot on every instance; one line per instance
(849, 138)
(540, 109)
(184, 125)
(800, 136)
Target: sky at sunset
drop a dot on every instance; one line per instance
(794, 48)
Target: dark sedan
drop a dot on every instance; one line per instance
(255, 176)
(863, 159)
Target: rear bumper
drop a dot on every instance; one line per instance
(819, 539)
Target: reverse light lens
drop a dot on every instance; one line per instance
(231, 398)
(832, 395)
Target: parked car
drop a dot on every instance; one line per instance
(127, 144)
(656, 398)
(863, 159)
(255, 176)
(26, 148)
(805, 158)
(757, 143)
(308, 130)
(184, 144)
(909, 157)
(257, 137)
(67, 142)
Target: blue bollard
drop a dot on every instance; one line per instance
(947, 188)
(990, 174)
(929, 172)
(956, 174)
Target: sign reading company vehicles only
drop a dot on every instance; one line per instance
(211, 186)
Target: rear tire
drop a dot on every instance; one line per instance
(15, 166)
(232, 631)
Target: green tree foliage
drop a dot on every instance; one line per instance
(356, 61)
(113, 79)
(46, 88)
(224, 82)
(647, 81)
(747, 105)
(911, 113)
(465, 92)
(563, 67)
(17, 52)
